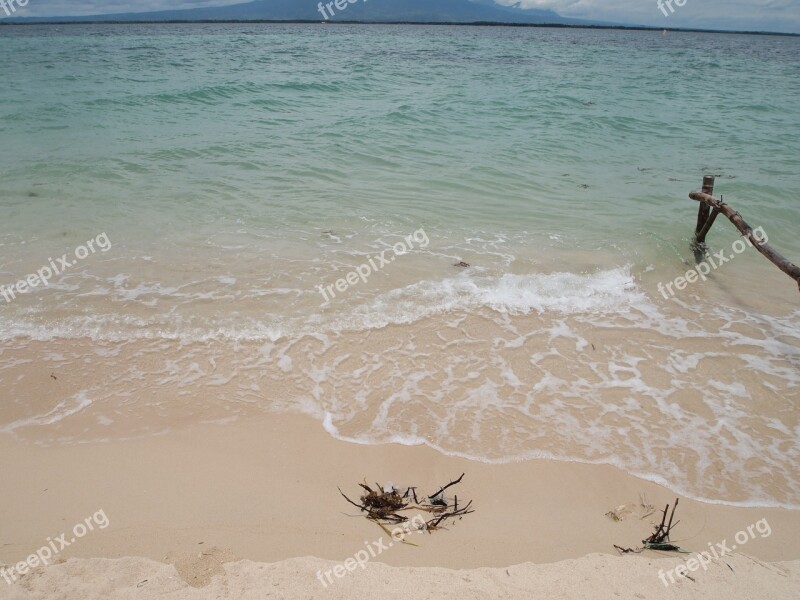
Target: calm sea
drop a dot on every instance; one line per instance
(240, 171)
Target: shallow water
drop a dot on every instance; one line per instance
(235, 169)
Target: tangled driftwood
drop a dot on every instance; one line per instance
(659, 540)
(386, 505)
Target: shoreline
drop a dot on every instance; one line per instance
(265, 489)
(652, 479)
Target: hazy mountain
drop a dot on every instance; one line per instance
(462, 11)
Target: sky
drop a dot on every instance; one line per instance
(771, 15)
(757, 15)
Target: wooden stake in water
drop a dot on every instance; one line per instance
(718, 206)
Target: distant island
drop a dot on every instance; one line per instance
(366, 11)
(411, 12)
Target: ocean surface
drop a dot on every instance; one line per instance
(230, 178)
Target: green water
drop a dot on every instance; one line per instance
(236, 168)
(166, 128)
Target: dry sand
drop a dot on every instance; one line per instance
(596, 576)
(196, 506)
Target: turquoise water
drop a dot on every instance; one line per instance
(236, 168)
(463, 128)
(527, 143)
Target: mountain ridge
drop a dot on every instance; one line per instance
(367, 11)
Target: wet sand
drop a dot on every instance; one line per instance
(265, 490)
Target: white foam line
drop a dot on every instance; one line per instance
(54, 416)
(331, 428)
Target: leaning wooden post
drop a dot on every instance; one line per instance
(705, 219)
(708, 220)
(703, 210)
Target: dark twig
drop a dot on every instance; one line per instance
(659, 539)
(432, 496)
(672, 514)
(627, 550)
(434, 523)
(358, 506)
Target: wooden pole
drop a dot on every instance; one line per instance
(718, 206)
(703, 212)
(704, 220)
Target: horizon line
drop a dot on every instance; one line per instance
(31, 21)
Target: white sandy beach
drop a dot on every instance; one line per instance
(238, 511)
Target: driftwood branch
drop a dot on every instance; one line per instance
(719, 207)
(358, 506)
(659, 539)
(447, 486)
(433, 524)
(704, 220)
(628, 550)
